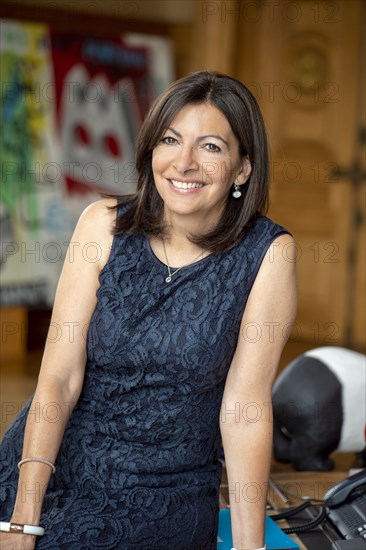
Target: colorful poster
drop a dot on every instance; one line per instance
(71, 109)
(101, 98)
(33, 216)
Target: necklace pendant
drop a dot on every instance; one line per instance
(168, 279)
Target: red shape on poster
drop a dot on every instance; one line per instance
(102, 95)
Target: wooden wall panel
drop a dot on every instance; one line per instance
(214, 36)
(303, 64)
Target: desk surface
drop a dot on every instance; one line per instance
(287, 489)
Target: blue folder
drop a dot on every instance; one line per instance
(275, 538)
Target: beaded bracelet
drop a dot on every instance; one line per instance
(42, 460)
(21, 529)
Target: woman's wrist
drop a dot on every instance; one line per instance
(21, 528)
(26, 514)
(261, 548)
(28, 504)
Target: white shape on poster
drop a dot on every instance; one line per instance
(93, 116)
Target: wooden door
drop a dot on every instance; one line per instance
(303, 61)
(305, 71)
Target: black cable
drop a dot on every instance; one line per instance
(307, 526)
(291, 511)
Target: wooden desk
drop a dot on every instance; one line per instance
(288, 490)
(298, 485)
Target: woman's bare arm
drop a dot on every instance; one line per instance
(63, 364)
(246, 414)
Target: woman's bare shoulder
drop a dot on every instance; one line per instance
(100, 212)
(95, 228)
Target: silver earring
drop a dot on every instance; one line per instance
(236, 193)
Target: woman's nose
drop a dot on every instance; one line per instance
(185, 160)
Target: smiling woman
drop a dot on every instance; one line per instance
(167, 370)
(194, 168)
(232, 139)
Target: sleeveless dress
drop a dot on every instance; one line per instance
(138, 466)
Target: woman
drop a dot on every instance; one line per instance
(131, 414)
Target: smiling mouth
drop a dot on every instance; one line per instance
(186, 185)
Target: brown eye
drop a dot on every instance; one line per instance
(212, 148)
(169, 140)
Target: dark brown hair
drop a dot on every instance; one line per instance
(240, 108)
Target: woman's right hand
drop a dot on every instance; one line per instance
(14, 541)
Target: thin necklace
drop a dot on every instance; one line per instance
(171, 273)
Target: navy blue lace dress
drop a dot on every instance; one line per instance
(138, 466)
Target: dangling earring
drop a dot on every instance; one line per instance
(236, 193)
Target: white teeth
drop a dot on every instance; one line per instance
(185, 185)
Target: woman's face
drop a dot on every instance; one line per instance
(196, 163)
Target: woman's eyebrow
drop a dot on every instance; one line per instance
(201, 137)
(216, 137)
(174, 131)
